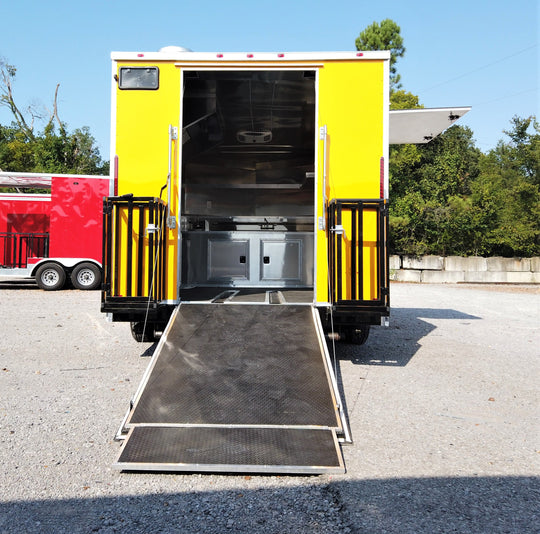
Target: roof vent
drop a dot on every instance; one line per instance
(172, 49)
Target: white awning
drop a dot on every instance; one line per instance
(421, 125)
(25, 179)
(39, 180)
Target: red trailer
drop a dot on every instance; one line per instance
(56, 235)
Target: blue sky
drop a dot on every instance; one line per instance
(478, 53)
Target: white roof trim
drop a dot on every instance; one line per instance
(183, 56)
(421, 125)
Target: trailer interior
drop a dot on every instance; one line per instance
(248, 155)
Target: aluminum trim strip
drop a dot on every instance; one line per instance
(120, 433)
(331, 376)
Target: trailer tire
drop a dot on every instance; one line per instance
(50, 277)
(357, 335)
(142, 334)
(86, 276)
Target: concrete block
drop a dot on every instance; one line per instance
(407, 275)
(395, 262)
(442, 277)
(486, 277)
(508, 264)
(535, 264)
(435, 263)
(521, 277)
(458, 263)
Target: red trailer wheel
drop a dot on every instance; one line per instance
(50, 277)
(86, 276)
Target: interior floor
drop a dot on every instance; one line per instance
(246, 295)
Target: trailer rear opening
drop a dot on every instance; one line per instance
(248, 156)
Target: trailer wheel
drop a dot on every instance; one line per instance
(357, 335)
(142, 334)
(50, 277)
(86, 276)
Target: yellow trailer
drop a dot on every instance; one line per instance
(250, 219)
(248, 172)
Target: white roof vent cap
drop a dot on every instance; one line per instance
(170, 49)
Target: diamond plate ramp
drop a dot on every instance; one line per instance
(230, 378)
(246, 364)
(245, 450)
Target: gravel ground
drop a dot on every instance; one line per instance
(443, 407)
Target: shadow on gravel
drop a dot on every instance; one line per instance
(18, 284)
(149, 351)
(418, 505)
(396, 345)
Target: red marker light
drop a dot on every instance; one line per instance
(281, 55)
(250, 55)
(359, 54)
(115, 176)
(140, 55)
(219, 55)
(382, 178)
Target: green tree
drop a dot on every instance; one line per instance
(524, 146)
(52, 150)
(430, 212)
(384, 36)
(7, 77)
(508, 190)
(402, 158)
(447, 197)
(448, 164)
(401, 99)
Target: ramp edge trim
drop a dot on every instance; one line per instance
(229, 468)
(231, 426)
(331, 376)
(121, 433)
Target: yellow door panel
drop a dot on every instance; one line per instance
(351, 107)
(143, 117)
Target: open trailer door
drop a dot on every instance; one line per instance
(352, 234)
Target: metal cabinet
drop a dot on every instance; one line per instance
(248, 259)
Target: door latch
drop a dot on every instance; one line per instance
(338, 229)
(152, 229)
